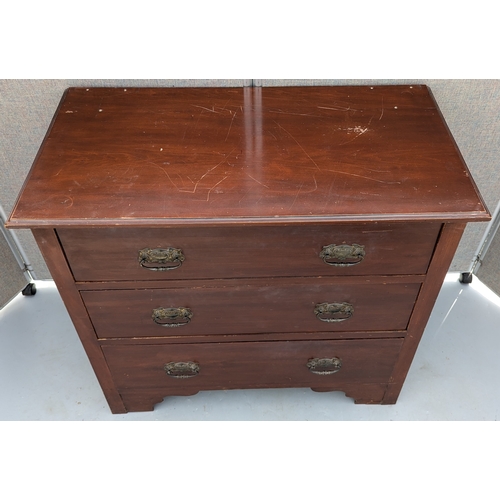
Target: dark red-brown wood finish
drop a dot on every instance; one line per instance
(267, 364)
(257, 308)
(238, 155)
(241, 237)
(241, 251)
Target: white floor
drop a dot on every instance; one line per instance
(45, 375)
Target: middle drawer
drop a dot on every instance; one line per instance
(247, 309)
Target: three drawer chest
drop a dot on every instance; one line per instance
(239, 238)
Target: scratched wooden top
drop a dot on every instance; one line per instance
(231, 155)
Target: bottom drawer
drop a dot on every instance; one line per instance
(328, 365)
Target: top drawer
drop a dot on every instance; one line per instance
(129, 254)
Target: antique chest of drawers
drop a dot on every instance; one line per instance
(222, 238)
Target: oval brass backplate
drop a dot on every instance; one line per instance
(172, 316)
(182, 369)
(156, 259)
(342, 255)
(333, 312)
(324, 366)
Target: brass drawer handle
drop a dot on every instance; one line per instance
(182, 369)
(324, 366)
(343, 255)
(155, 259)
(172, 316)
(334, 312)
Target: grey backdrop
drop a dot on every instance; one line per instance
(471, 109)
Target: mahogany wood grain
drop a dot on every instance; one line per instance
(243, 155)
(252, 365)
(240, 309)
(236, 252)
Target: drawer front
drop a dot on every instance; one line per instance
(257, 364)
(129, 254)
(250, 309)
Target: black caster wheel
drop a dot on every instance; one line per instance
(465, 278)
(29, 289)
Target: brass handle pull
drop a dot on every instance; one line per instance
(343, 255)
(172, 316)
(324, 366)
(182, 369)
(157, 259)
(334, 312)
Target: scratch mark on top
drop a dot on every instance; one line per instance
(218, 164)
(359, 132)
(204, 175)
(230, 125)
(364, 177)
(273, 135)
(315, 185)
(376, 170)
(166, 173)
(305, 192)
(66, 200)
(298, 144)
(315, 188)
(382, 114)
(207, 109)
(296, 196)
(253, 178)
(213, 187)
(338, 108)
(225, 104)
(290, 113)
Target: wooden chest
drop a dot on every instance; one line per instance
(248, 237)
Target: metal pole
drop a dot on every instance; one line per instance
(485, 242)
(483, 246)
(16, 248)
